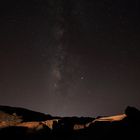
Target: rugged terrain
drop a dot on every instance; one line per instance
(24, 124)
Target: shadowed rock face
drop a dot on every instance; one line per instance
(19, 123)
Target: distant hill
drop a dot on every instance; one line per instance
(25, 114)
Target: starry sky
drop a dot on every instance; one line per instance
(70, 57)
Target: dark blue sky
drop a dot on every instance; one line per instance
(70, 57)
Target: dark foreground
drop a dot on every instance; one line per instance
(23, 124)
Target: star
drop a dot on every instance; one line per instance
(82, 78)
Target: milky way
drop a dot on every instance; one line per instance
(59, 54)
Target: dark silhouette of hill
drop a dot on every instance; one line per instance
(24, 124)
(24, 114)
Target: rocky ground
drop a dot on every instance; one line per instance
(23, 124)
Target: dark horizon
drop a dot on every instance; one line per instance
(70, 58)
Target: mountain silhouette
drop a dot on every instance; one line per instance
(25, 114)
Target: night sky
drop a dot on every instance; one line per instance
(70, 57)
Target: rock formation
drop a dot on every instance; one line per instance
(19, 123)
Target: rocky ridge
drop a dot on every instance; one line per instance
(26, 124)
